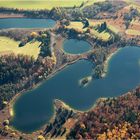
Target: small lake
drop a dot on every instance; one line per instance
(35, 108)
(26, 23)
(74, 46)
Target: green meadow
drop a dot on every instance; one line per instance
(8, 45)
(36, 4)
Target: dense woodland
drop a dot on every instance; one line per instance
(20, 72)
(112, 118)
(98, 59)
(56, 128)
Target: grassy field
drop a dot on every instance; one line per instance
(90, 2)
(49, 4)
(36, 4)
(45, 4)
(135, 2)
(8, 45)
(132, 32)
(103, 35)
(135, 22)
(78, 25)
(111, 27)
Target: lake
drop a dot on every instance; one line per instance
(74, 46)
(33, 109)
(26, 23)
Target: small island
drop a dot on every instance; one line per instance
(85, 81)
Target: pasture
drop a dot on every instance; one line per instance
(132, 32)
(78, 25)
(8, 45)
(37, 5)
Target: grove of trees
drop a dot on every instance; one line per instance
(19, 73)
(111, 118)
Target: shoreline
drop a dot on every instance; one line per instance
(9, 110)
(11, 104)
(65, 105)
(5, 16)
(106, 62)
(10, 107)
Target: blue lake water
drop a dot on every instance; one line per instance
(74, 46)
(35, 108)
(26, 23)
